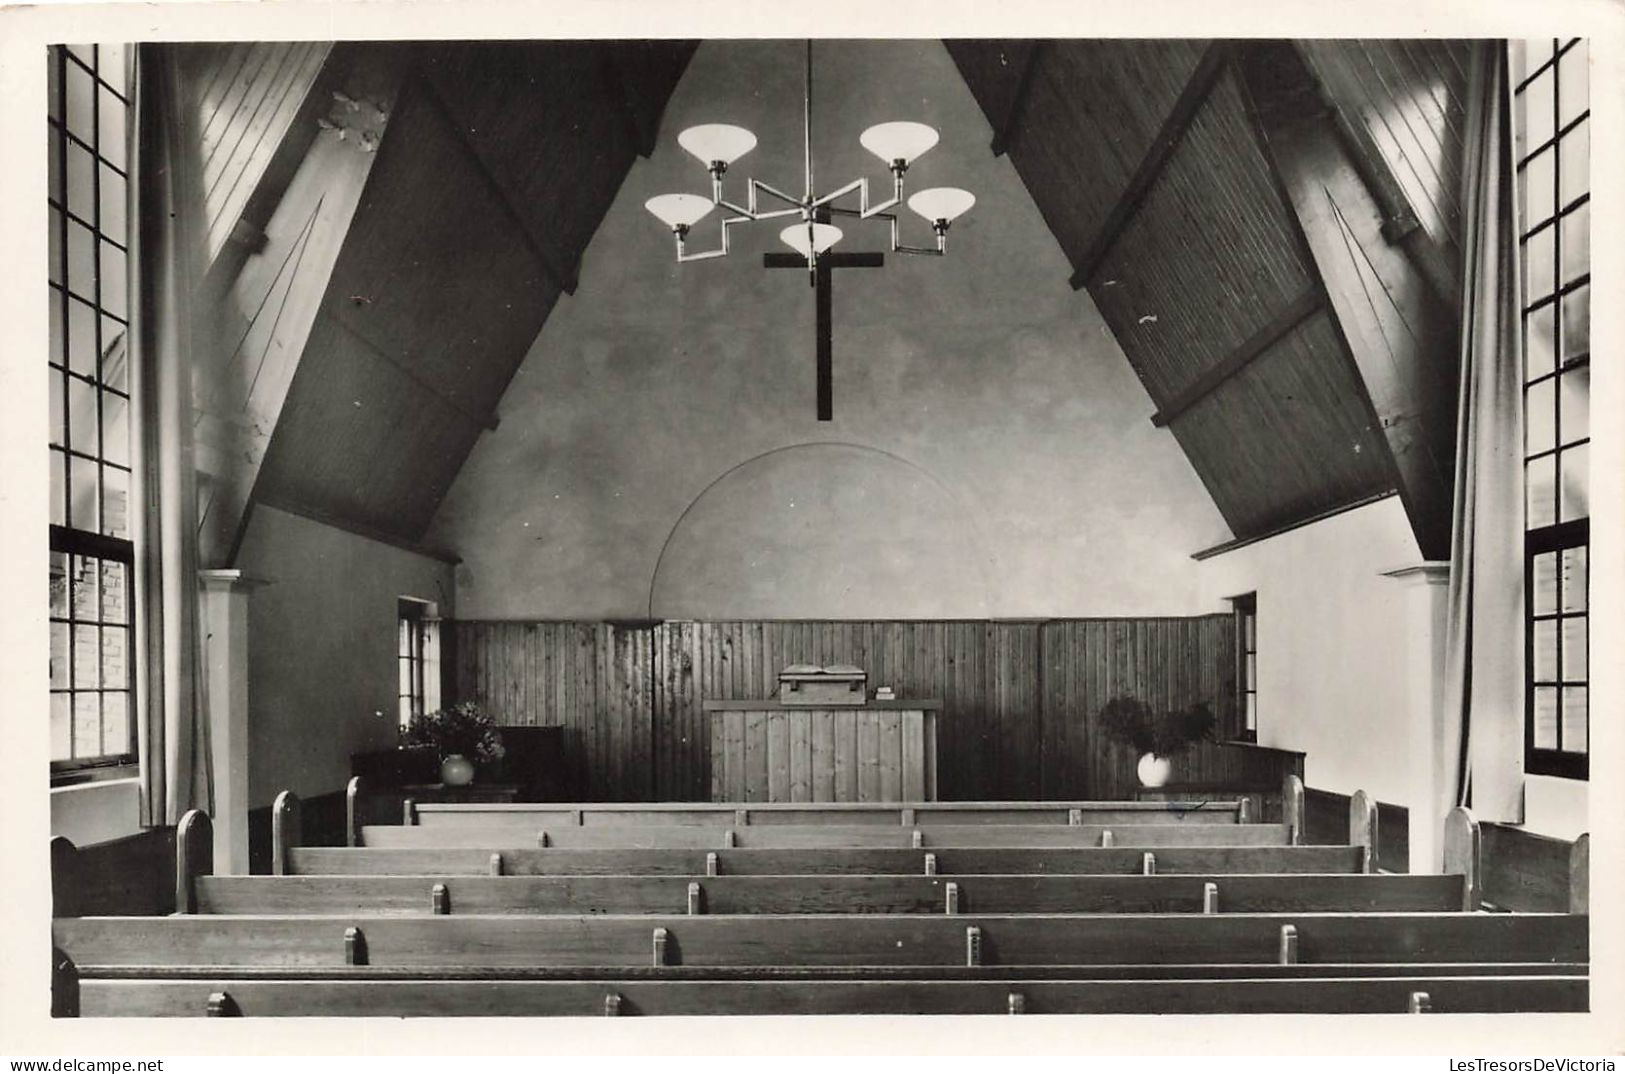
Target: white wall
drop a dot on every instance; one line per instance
(96, 812)
(991, 452)
(1330, 644)
(1332, 657)
(322, 648)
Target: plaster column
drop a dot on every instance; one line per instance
(1426, 590)
(225, 656)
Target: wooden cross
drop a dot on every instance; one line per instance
(822, 281)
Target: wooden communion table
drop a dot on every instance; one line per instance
(883, 751)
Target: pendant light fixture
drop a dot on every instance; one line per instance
(898, 144)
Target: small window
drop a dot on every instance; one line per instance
(1552, 134)
(1245, 610)
(417, 658)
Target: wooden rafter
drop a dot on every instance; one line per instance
(1173, 129)
(1400, 225)
(1305, 306)
(1011, 124)
(1397, 336)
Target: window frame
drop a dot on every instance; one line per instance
(412, 633)
(1560, 534)
(1244, 610)
(70, 537)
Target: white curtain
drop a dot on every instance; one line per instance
(166, 254)
(1482, 762)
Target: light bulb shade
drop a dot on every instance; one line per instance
(717, 142)
(942, 203)
(823, 237)
(898, 141)
(679, 210)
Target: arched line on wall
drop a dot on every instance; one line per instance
(983, 558)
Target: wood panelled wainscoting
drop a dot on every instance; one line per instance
(1020, 698)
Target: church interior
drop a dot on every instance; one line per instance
(1136, 558)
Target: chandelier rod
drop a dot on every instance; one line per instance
(806, 123)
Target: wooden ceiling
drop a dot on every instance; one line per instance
(1181, 179)
(1269, 229)
(496, 167)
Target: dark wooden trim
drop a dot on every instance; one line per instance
(1174, 126)
(1004, 135)
(360, 529)
(563, 277)
(1288, 527)
(488, 422)
(1301, 309)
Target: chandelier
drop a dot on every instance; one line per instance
(899, 144)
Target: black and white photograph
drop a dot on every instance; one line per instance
(546, 518)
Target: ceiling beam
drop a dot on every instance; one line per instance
(1004, 135)
(1305, 306)
(401, 366)
(1173, 129)
(564, 277)
(1287, 527)
(1398, 337)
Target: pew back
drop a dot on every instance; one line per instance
(819, 939)
(742, 861)
(861, 835)
(534, 815)
(231, 996)
(835, 894)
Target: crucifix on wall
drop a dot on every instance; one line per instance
(822, 278)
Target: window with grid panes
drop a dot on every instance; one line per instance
(1552, 132)
(92, 613)
(1245, 610)
(410, 658)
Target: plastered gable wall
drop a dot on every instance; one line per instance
(991, 453)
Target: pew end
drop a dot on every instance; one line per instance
(64, 985)
(66, 878)
(1464, 855)
(194, 857)
(352, 811)
(287, 830)
(1363, 828)
(1292, 810)
(1580, 875)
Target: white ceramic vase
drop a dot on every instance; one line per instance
(456, 770)
(1153, 770)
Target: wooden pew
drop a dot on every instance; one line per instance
(611, 940)
(738, 861)
(232, 996)
(831, 894)
(858, 835)
(533, 815)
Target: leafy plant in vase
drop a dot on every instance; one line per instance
(462, 735)
(1155, 736)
